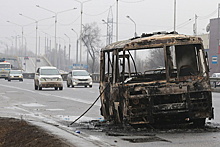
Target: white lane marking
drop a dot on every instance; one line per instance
(55, 109)
(62, 97)
(33, 105)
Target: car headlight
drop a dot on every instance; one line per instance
(59, 79)
(42, 79)
(74, 79)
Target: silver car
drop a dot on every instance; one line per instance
(15, 75)
(79, 78)
(215, 84)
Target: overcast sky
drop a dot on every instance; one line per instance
(149, 16)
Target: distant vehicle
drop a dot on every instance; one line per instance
(48, 77)
(26, 58)
(215, 84)
(15, 75)
(38, 60)
(5, 67)
(79, 78)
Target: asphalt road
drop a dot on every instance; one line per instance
(20, 100)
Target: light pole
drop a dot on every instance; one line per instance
(135, 35)
(80, 59)
(36, 21)
(117, 21)
(22, 34)
(77, 42)
(55, 13)
(69, 46)
(174, 25)
(135, 32)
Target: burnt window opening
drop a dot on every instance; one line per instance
(152, 64)
(189, 60)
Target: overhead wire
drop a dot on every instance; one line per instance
(100, 12)
(137, 1)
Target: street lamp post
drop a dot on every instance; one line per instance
(36, 21)
(135, 35)
(174, 25)
(69, 46)
(22, 33)
(81, 27)
(117, 21)
(77, 42)
(135, 32)
(55, 13)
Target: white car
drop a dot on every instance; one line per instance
(48, 77)
(215, 84)
(15, 75)
(79, 78)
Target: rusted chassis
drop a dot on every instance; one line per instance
(149, 104)
(172, 100)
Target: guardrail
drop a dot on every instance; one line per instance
(28, 75)
(95, 76)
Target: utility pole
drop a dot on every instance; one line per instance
(117, 21)
(174, 25)
(110, 26)
(195, 26)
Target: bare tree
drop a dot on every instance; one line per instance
(92, 41)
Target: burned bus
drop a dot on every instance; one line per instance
(156, 78)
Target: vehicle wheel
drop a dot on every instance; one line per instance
(90, 86)
(40, 88)
(21, 80)
(9, 80)
(35, 87)
(85, 85)
(67, 84)
(61, 88)
(56, 88)
(215, 85)
(200, 122)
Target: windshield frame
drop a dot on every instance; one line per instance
(49, 72)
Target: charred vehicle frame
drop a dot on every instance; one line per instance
(174, 91)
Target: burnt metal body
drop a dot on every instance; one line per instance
(180, 91)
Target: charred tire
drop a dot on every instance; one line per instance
(200, 122)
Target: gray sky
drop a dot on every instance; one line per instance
(149, 16)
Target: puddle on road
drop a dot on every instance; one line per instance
(73, 118)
